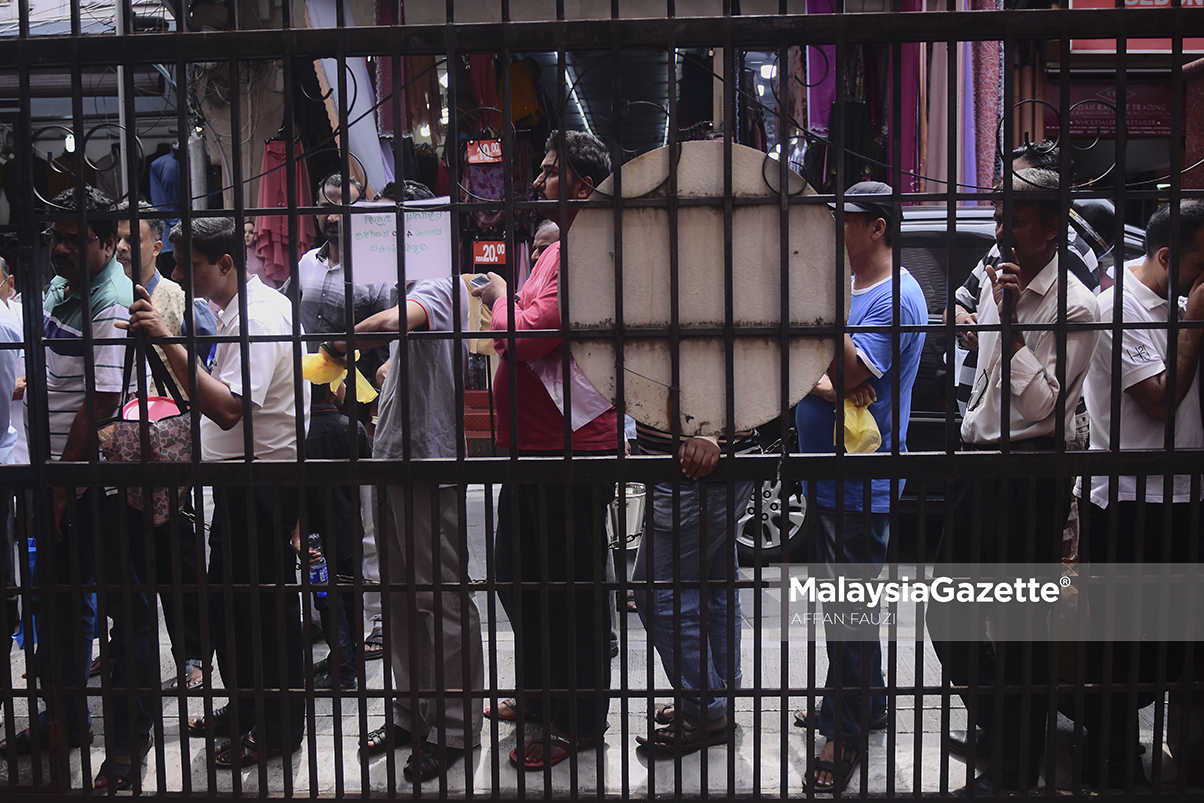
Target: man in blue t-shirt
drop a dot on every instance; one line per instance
(869, 374)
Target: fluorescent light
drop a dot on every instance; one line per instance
(443, 80)
(69, 143)
(424, 130)
(761, 90)
(571, 77)
(767, 71)
(444, 117)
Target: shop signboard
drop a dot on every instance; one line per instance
(1190, 44)
(1094, 106)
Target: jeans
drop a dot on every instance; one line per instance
(699, 542)
(854, 664)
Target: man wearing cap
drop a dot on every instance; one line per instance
(841, 536)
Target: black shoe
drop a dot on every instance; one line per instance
(375, 741)
(984, 788)
(325, 680)
(958, 746)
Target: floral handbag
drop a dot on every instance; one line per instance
(169, 431)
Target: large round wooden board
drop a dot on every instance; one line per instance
(703, 375)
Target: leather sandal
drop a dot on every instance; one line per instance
(424, 764)
(244, 754)
(126, 775)
(685, 735)
(377, 741)
(223, 724)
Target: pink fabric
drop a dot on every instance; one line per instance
(540, 422)
(271, 232)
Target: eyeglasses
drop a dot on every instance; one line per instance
(51, 238)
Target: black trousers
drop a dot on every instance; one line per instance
(1138, 539)
(561, 538)
(256, 626)
(178, 548)
(996, 530)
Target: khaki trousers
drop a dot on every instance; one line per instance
(444, 622)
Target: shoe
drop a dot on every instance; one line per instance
(848, 766)
(958, 746)
(663, 714)
(21, 746)
(374, 644)
(685, 735)
(614, 649)
(95, 670)
(223, 724)
(375, 742)
(326, 681)
(125, 775)
(424, 765)
(802, 718)
(243, 755)
(551, 742)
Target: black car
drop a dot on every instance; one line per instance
(924, 249)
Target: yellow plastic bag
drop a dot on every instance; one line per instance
(320, 369)
(861, 435)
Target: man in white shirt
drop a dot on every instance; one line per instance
(1145, 405)
(222, 399)
(990, 523)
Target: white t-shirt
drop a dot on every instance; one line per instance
(273, 419)
(1142, 355)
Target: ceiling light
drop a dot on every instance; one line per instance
(424, 130)
(767, 72)
(761, 90)
(69, 143)
(443, 80)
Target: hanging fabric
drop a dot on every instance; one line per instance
(384, 74)
(484, 87)
(422, 95)
(821, 67)
(272, 231)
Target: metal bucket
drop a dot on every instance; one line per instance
(624, 526)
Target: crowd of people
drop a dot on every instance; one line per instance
(549, 559)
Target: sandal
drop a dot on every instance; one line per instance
(427, 763)
(507, 710)
(802, 718)
(126, 774)
(550, 741)
(374, 644)
(22, 746)
(663, 714)
(376, 741)
(848, 766)
(194, 670)
(246, 755)
(685, 735)
(223, 724)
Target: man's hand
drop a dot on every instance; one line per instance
(143, 316)
(489, 293)
(698, 457)
(863, 395)
(1006, 278)
(823, 388)
(19, 389)
(968, 340)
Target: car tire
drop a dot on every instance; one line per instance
(778, 516)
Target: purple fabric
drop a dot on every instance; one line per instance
(821, 95)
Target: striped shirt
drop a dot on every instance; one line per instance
(63, 326)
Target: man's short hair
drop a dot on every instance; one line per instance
(1042, 155)
(1158, 230)
(1027, 183)
(94, 201)
(410, 191)
(587, 156)
(155, 223)
(335, 179)
(214, 237)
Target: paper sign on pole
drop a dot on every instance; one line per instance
(374, 239)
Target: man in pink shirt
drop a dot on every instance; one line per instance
(553, 533)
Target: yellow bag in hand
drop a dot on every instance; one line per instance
(320, 369)
(861, 435)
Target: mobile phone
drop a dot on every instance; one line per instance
(480, 281)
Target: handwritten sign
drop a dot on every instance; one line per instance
(427, 238)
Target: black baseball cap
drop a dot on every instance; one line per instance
(878, 204)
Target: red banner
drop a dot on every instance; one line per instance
(1190, 45)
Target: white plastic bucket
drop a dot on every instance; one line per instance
(624, 526)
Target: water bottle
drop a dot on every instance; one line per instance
(319, 577)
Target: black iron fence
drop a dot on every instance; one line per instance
(512, 551)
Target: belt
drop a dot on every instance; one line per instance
(1045, 443)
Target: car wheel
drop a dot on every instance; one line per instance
(776, 530)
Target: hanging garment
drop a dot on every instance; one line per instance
(484, 87)
(272, 232)
(384, 75)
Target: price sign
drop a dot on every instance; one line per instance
(484, 151)
(489, 252)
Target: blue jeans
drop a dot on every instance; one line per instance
(701, 542)
(860, 662)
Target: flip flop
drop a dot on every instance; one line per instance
(685, 735)
(548, 740)
(802, 718)
(848, 766)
